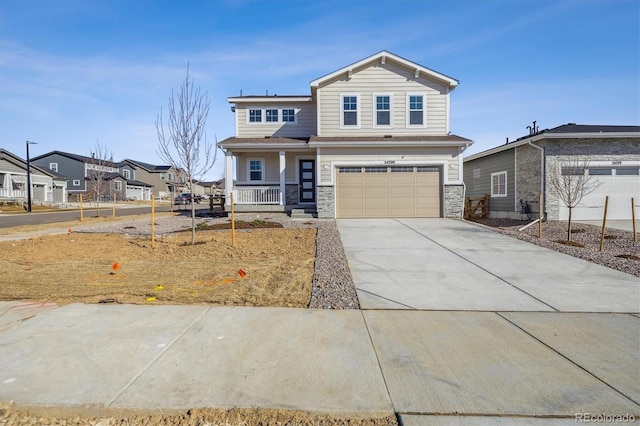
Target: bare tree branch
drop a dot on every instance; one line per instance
(100, 164)
(183, 140)
(570, 181)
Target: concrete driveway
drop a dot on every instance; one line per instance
(443, 264)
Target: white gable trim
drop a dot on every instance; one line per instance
(382, 57)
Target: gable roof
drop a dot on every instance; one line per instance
(13, 158)
(566, 131)
(382, 57)
(111, 176)
(81, 158)
(147, 166)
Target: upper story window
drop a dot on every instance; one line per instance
(415, 110)
(76, 182)
(289, 115)
(255, 116)
(126, 173)
(382, 110)
(350, 111)
(499, 184)
(255, 170)
(53, 166)
(271, 115)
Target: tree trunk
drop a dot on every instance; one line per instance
(569, 225)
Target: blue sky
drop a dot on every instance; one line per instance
(74, 73)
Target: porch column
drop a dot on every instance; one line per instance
(283, 181)
(228, 177)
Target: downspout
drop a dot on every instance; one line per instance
(543, 211)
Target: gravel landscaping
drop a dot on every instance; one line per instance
(619, 250)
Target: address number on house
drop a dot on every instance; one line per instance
(389, 162)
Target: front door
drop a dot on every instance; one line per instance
(307, 181)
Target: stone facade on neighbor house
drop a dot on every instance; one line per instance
(372, 139)
(611, 156)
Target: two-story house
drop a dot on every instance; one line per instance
(166, 180)
(372, 139)
(78, 168)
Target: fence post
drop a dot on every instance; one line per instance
(233, 223)
(81, 211)
(153, 220)
(604, 221)
(114, 205)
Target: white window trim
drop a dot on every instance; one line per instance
(262, 116)
(126, 173)
(375, 111)
(76, 182)
(117, 183)
(424, 110)
(506, 181)
(295, 116)
(53, 166)
(249, 160)
(358, 110)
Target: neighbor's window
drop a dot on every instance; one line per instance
(288, 115)
(600, 172)
(383, 110)
(255, 116)
(126, 173)
(572, 171)
(53, 166)
(76, 182)
(499, 184)
(415, 110)
(271, 115)
(350, 110)
(255, 170)
(627, 171)
(117, 185)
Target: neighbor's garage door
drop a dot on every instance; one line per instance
(619, 183)
(396, 191)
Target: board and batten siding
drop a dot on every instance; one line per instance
(446, 158)
(477, 178)
(304, 126)
(7, 166)
(382, 79)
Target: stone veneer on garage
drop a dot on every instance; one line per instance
(453, 201)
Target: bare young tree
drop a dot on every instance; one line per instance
(98, 166)
(571, 181)
(183, 144)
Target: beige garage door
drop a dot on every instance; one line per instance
(395, 191)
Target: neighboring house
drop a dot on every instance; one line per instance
(126, 189)
(47, 187)
(516, 173)
(165, 180)
(371, 140)
(74, 167)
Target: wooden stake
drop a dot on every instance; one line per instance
(540, 216)
(633, 221)
(81, 211)
(114, 205)
(604, 221)
(233, 223)
(153, 220)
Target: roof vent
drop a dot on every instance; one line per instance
(387, 136)
(571, 124)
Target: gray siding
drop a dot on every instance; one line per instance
(67, 167)
(479, 183)
(7, 166)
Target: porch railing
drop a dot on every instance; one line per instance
(12, 193)
(256, 195)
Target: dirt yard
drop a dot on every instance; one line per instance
(267, 267)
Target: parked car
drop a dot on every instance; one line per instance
(185, 198)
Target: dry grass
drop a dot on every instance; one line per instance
(77, 267)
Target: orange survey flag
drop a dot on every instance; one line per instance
(242, 273)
